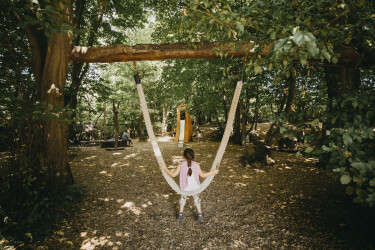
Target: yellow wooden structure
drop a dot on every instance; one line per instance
(188, 124)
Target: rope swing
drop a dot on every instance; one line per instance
(157, 152)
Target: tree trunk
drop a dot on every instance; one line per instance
(142, 136)
(341, 79)
(236, 138)
(255, 118)
(105, 121)
(225, 106)
(115, 122)
(52, 92)
(291, 92)
(164, 122)
(243, 129)
(274, 129)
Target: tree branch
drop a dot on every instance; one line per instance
(151, 52)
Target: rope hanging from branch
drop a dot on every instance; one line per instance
(157, 152)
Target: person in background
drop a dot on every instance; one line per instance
(125, 137)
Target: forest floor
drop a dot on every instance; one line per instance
(127, 204)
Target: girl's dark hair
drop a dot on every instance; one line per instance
(189, 155)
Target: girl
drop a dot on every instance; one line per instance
(199, 135)
(189, 171)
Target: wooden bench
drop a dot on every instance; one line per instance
(111, 143)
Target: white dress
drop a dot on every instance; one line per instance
(192, 184)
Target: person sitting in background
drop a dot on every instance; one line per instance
(125, 137)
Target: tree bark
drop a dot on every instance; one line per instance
(291, 92)
(142, 136)
(105, 121)
(243, 129)
(52, 92)
(151, 52)
(236, 138)
(115, 123)
(164, 122)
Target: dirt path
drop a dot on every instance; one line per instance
(128, 205)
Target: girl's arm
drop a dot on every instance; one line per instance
(171, 173)
(206, 174)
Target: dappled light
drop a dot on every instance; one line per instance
(131, 206)
(89, 157)
(130, 156)
(128, 205)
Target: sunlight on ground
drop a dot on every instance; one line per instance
(115, 164)
(89, 158)
(177, 159)
(98, 242)
(117, 153)
(165, 138)
(131, 156)
(149, 203)
(259, 170)
(105, 173)
(104, 199)
(239, 184)
(130, 205)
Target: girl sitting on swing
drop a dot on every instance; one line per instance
(189, 171)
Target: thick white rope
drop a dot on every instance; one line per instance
(220, 151)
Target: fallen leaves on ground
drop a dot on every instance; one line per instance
(128, 205)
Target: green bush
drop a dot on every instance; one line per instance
(347, 146)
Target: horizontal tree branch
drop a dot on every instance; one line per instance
(151, 52)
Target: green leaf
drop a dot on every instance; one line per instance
(315, 122)
(273, 35)
(347, 139)
(270, 67)
(298, 38)
(309, 149)
(372, 182)
(279, 44)
(309, 37)
(312, 49)
(239, 27)
(326, 55)
(303, 60)
(257, 69)
(345, 179)
(283, 130)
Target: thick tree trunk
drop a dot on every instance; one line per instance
(341, 79)
(53, 80)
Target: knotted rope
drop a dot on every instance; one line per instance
(157, 152)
